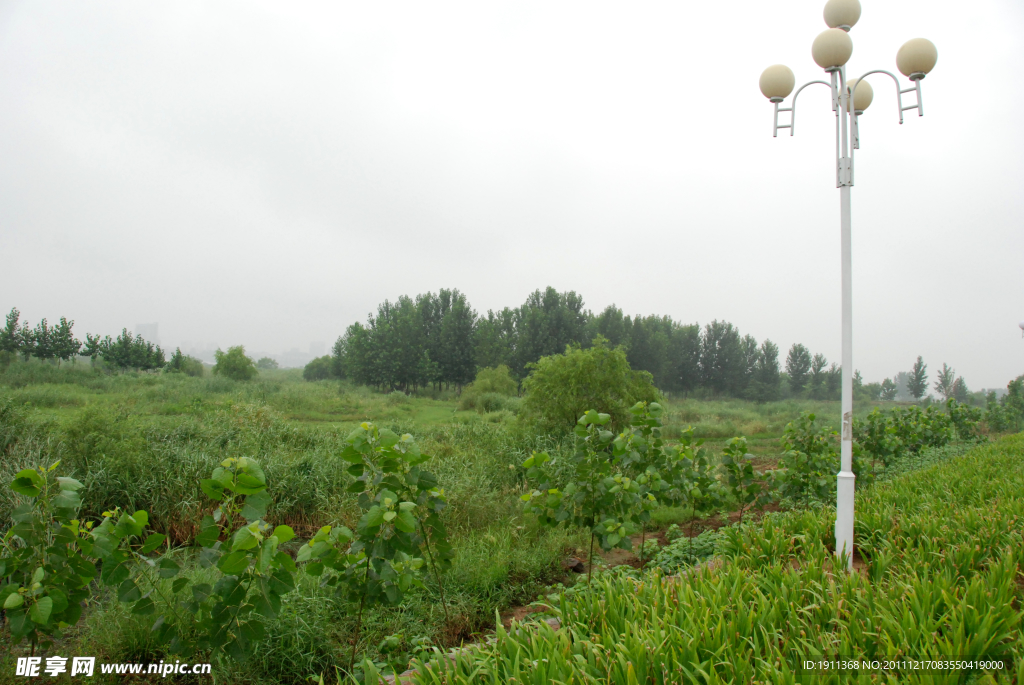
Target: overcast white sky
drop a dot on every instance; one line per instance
(266, 173)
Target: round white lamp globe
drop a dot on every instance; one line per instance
(777, 82)
(841, 14)
(832, 48)
(917, 56)
(862, 94)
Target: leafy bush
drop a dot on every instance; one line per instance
(563, 387)
(809, 461)
(182, 363)
(319, 369)
(489, 391)
(266, 363)
(234, 364)
(44, 573)
(400, 525)
(684, 551)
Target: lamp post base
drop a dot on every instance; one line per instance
(844, 516)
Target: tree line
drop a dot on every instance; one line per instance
(58, 343)
(439, 340)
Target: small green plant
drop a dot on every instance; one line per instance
(599, 496)
(44, 566)
(809, 462)
(965, 420)
(740, 477)
(878, 436)
(401, 524)
(687, 552)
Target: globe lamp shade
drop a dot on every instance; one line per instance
(917, 56)
(777, 82)
(840, 13)
(862, 94)
(832, 48)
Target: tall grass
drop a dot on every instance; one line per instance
(943, 550)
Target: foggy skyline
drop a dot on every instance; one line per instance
(265, 174)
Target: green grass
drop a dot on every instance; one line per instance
(943, 549)
(145, 440)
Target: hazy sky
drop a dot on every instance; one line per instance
(266, 173)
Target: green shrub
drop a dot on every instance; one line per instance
(319, 369)
(234, 364)
(489, 391)
(563, 387)
(182, 363)
(684, 551)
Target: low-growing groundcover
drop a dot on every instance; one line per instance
(942, 577)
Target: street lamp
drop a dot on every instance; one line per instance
(831, 51)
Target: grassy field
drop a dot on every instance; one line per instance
(938, 575)
(143, 441)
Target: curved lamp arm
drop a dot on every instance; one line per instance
(899, 93)
(792, 109)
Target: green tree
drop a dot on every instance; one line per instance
(182, 363)
(319, 369)
(544, 325)
(26, 341)
(92, 348)
(917, 383)
(888, 390)
(562, 387)
(944, 381)
(722, 359)
(65, 345)
(44, 344)
(234, 364)
(266, 363)
(494, 339)
(816, 382)
(765, 376)
(833, 382)
(798, 365)
(960, 391)
(10, 337)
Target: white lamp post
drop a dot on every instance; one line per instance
(831, 50)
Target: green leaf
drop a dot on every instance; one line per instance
(168, 568)
(373, 517)
(40, 611)
(283, 534)
(244, 539)
(405, 522)
(389, 516)
(13, 601)
(212, 489)
(256, 506)
(144, 607)
(142, 519)
(29, 483)
(128, 591)
(152, 542)
(208, 535)
(179, 585)
(234, 563)
(69, 484)
(388, 438)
